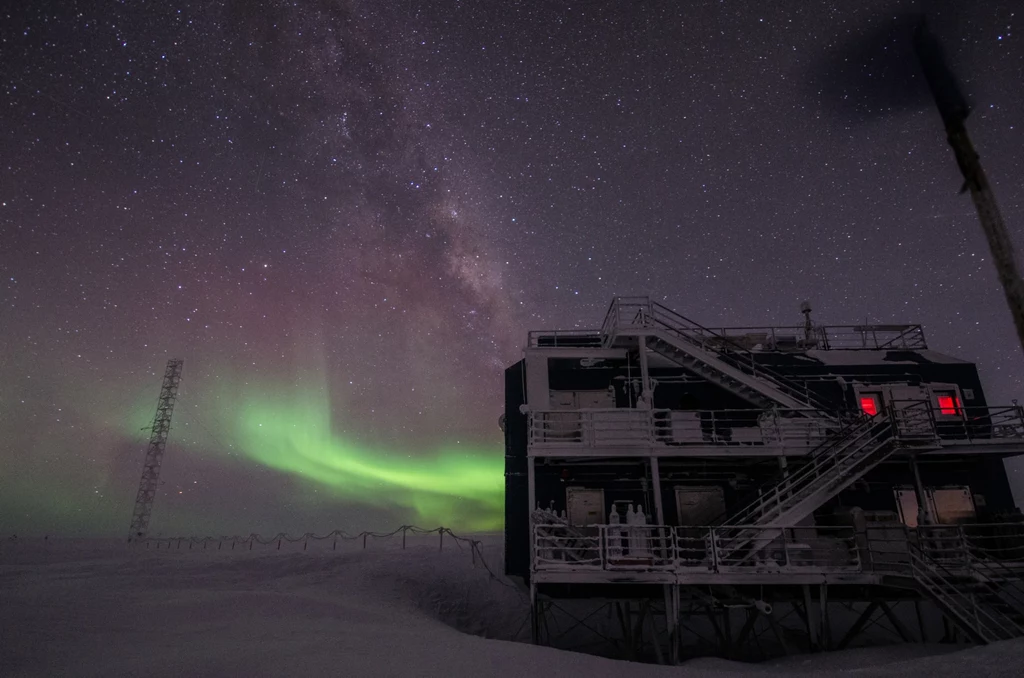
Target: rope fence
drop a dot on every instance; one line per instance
(176, 543)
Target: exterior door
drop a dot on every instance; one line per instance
(700, 506)
(907, 504)
(949, 505)
(948, 410)
(952, 504)
(870, 401)
(586, 506)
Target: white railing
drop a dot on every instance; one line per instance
(592, 428)
(1001, 422)
(969, 544)
(631, 313)
(912, 420)
(796, 431)
(975, 582)
(821, 337)
(796, 549)
(563, 338)
(559, 546)
(925, 419)
(974, 570)
(638, 547)
(662, 548)
(640, 314)
(618, 427)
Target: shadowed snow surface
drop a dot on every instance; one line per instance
(94, 608)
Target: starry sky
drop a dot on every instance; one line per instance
(345, 215)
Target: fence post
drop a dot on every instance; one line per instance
(714, 549)
(278, 544)
(440, 533)
(403, 537)
(335, 547)
(364, 540)
(220, 544)
(190, 544)
(250, 543)
(472, 551)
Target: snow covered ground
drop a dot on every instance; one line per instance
(94, 608)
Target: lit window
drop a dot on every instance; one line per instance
(869, 404)
(949, 404)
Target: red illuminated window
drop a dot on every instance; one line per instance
(949, 404)
(869, 405)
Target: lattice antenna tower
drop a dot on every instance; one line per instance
(155, 451)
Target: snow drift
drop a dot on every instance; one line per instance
(95, 608)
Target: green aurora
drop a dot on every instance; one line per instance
(450, 486)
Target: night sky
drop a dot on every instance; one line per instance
(345, 216)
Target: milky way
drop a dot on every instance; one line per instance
(345, 216)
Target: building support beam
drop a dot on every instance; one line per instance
(534, 618)
(673, 628)
(784, 472)
(727, 631)
(625, 614)
(780, 634)
(920, 621)
(659, 513)
(659, 655)
(645, 373)
(752, 615)
(659, 507)
(858, 625)
(826, 625)
(812, 623)
(897, 624)
(709, 609)
(531, 484)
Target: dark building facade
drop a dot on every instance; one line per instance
(657, 452)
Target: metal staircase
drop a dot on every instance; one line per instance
(708, 354)
(985, 605)
(853, 451)
(834, 466)
(1005, 583)
(845, 457)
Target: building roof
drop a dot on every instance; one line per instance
(860, 357)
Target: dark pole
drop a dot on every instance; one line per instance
(954, 110)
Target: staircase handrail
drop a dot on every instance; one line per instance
(790, 485)
(1013, 590)
(753, 496)
(921, 565)
(1007, 587)
(663, 317)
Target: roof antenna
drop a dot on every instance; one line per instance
(805, 308)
